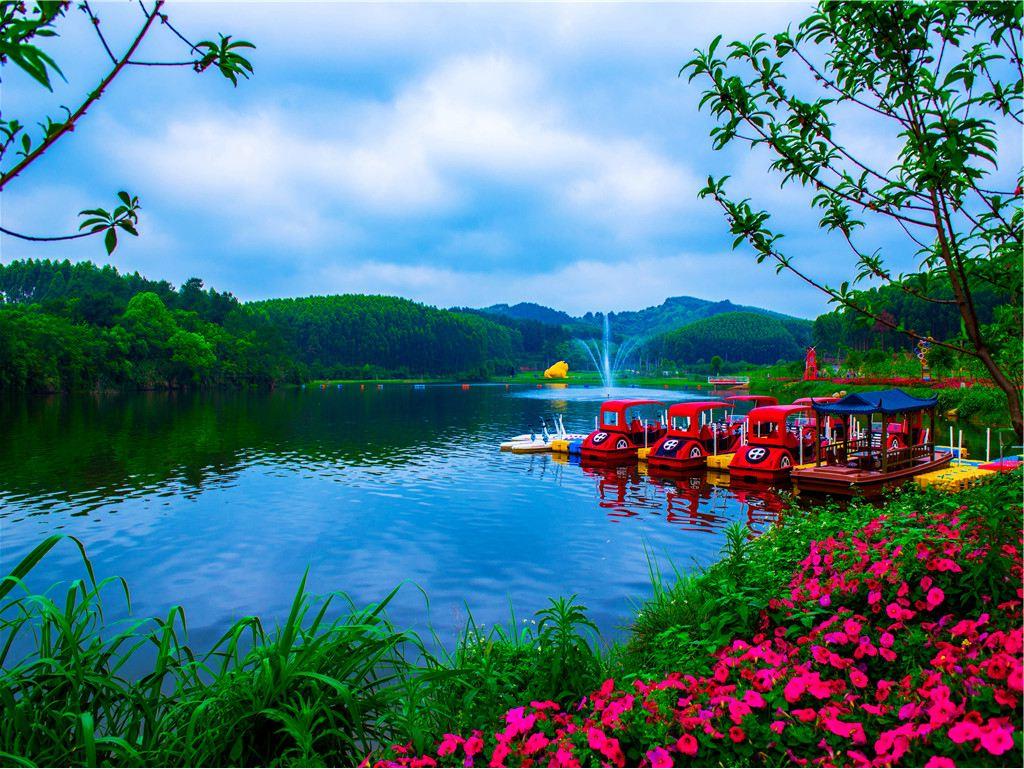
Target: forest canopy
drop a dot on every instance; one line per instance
(77, 326)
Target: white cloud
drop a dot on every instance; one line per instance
(582, 285)
(472, 119)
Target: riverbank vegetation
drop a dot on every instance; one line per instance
(66, 327)
(857, 635)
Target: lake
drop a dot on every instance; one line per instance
(219, 501)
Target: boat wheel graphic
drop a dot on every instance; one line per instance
(895, 444)
(756, 454)
(669, 446)
(695, 452)
(622, 443)
(785, 461)
(600, 438)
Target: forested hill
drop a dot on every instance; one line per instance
(531, 312)
(674, 313)
(734, 336)
(67, 326)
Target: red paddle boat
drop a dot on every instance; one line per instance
(621, 431)
(692, 436)
(775, 442)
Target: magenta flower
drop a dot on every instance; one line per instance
(996, 739)
(659, 757)
(687, 745)
(962, 731)
(935, 597)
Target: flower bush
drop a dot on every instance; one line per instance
(896, 643)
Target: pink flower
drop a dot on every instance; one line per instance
(825, 600)
(473, 745)
(996, 739)
(886, 640)
(940, 761)
(449, 744)
(778, 726)
(501, 751)
(753, 699)
(738, 735)
(962, 731)
(687, 745)
(858, 678)
(536, 742)
(935, 597)
(850, 731)
(659, 757)
(564, 757)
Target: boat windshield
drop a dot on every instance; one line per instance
(681, 423)
(610, 417)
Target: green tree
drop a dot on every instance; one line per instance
(192, 353)
(941, 76)
(716, 365)
(23, 28)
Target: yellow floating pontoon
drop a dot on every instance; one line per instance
(955, 477)
(719, 461)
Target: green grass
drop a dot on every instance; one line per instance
(594, 379)
(334, 681)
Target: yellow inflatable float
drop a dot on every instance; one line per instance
(559, 370)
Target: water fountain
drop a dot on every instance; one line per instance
(601, 353)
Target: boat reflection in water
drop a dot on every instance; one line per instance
(693, 501)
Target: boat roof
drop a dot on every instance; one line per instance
(811, 401)
(625, 404)
(768, 400)
(892, 401)
(769, 413)
(689, 408)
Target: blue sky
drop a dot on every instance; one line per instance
(456, 154)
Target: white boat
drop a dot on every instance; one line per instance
(529, 443)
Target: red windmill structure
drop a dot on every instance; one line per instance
(811, 364)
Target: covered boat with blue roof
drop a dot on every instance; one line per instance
(875, 440)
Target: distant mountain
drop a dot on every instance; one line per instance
(531, 311)
(674, 313)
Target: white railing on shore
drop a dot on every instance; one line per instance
(722, 379)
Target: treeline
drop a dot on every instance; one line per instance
(733, 336)
(843, 329)
(66, 326)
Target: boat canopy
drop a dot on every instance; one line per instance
(775, 413)
(693, 408)
(893, 401)
(757, 400)
(613, 413)
(628, 404)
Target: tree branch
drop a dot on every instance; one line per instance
(69, 125)
(96, 25)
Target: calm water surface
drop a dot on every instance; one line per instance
(220, 501)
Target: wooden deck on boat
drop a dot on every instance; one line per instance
(843, 480)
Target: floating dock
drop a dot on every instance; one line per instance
(955, 477)
(720, 462)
